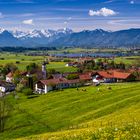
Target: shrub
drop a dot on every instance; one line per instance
(27, 91)
(72, 76)
(17, 62)
(19, 87)
(51, 71)
(2, 58)
(66, 60)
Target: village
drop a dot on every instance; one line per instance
(37, 80)
(69, 69)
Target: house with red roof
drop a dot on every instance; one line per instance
(44, 86)
(9, 77)
(85, 77)
(114, 76)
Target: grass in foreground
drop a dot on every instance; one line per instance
(129, 131)
(71, 109)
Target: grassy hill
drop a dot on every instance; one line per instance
(76, 114)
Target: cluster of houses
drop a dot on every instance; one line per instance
(89, 78)
(60, 81)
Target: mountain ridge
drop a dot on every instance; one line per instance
(66, 37)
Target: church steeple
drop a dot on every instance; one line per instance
(44, 71)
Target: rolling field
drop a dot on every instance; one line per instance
(128, 60)
(26, 60)
(76, 114)
(58, 66)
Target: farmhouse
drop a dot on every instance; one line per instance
(85, 77)
(44, 86)
(6, 86)
(113, 76)
(9, 77)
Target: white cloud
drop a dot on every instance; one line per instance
(102, 12)
(29, 21)
(68, 20)
(109, 1)
(129, 23)
(131, 2)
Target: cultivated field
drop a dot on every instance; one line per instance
(58, 66)
(76, 114)
(26, 60)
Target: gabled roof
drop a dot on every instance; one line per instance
(24, 73)
(6, 84)
(121, 75)
(106, 74)
(50, 81)
(85, 77)
(59, 81)
(114, 74)
(10, 75)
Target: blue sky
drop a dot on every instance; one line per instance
(75, 14)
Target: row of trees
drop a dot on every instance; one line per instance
(101, 64)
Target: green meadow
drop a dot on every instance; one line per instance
(131, 60)
(26, 60)
(76, 114)
(58, 66)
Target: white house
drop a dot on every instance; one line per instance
(6, 87)
(9, 77)
(44, 86)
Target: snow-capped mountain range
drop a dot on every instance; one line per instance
(39, 33)
(66, 37)
(31, 38)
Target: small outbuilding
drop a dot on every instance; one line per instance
(6, 86)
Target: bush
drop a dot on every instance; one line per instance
(51, 71)
(27, 91)
(17, 62)
(2, 58)
(66, 60)
(72, 76)
(19, 87)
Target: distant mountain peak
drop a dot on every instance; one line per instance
(1, 30)
(66, 37)
(100, 30)
(65, 30)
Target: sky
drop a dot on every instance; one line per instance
(74, 14)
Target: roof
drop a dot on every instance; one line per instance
(85, 77)
(121, 75)
(106, 74)
(88, 75)
(10, 75)
(6, 84)
(73, 81)
(114, 74)
(24, 73)
(58, 81)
